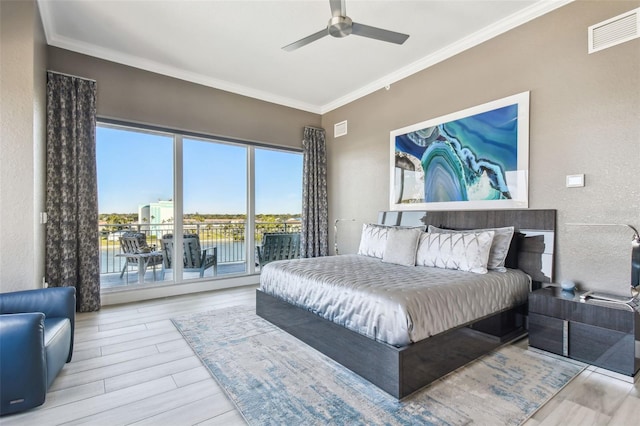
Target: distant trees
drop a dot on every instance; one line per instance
(117, 220)
(201, 217)
(125, 218)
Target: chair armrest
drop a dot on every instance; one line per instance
(54, 302)
(23, 376)
(213, 251)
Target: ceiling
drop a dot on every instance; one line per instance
(236, 45)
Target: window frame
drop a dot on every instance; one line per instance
(178, 137)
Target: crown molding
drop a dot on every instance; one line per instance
(158, 68)
(532, 12)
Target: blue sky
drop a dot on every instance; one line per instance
(137, 168)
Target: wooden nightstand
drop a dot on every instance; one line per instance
(599, 333)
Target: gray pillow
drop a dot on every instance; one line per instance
(465, 251)
(373, 239)
(499, 247)
(401, 247)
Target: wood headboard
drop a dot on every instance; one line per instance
(536, 251)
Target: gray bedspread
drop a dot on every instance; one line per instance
(392, 303)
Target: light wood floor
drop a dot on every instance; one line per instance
(131, 366)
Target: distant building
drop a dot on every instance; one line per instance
(155, 214)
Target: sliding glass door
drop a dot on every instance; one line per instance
(199, 205)
(135, 199)
(215, 206)
(278, 192)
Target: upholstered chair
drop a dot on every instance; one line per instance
(36, 340)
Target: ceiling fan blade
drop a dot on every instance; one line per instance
(338, 7)
(378, 33)
(309, 39)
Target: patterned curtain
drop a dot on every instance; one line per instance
(72, 247)
(314, 239)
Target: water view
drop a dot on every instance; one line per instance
(137, 174)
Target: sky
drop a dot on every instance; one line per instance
(136, 168)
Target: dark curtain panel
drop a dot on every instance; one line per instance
(314, 239)
(72, 247)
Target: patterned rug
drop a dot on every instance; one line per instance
(275, 379)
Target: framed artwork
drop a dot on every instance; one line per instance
(477, 158)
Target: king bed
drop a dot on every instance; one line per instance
(410, 308)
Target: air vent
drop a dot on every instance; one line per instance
(340, 129)
(614, 31)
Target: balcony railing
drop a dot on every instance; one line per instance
(228, 237)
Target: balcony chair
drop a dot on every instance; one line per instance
(195, 259)
(36, 340)
(136, 242)
(278, 246)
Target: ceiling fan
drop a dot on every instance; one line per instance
(340, 25)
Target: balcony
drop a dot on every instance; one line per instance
(228, 237)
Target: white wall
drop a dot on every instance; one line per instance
(22, 130)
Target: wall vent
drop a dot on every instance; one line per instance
(614, 31)
(340, 129)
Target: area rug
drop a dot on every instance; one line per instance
(275, 379)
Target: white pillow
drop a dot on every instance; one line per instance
(499, 247)
(373, 240)
(401, 246)
(460, 250)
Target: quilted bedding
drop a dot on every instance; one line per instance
(388, 302)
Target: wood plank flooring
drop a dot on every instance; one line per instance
(131, 366)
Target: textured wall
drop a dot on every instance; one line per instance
(585, 118)
(22, 63)
(140, 96)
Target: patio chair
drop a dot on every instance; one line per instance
(136, 242)
(278, 246)
(195, 259)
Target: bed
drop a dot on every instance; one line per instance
(335, 304)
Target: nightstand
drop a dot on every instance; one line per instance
(599, 333)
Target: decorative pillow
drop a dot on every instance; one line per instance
(499, 247)
(401, 246)
(466, 251)
(373, 240)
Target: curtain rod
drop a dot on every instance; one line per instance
(313, 127)
(71, 75)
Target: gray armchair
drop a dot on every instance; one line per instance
(194, 258)
(278, 246)
(136, 242)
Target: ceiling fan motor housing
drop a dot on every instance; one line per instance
(340, 26)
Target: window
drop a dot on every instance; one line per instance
(215, 199)
(175, 187)
(278, 191)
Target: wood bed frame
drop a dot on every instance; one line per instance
(400, 371)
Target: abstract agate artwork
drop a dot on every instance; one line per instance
(477, 158)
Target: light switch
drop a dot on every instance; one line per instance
(575, 181)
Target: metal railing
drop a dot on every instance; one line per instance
(228, 237)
